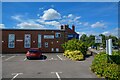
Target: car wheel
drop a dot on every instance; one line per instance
(28, 58)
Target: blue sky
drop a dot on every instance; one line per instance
(88, 17)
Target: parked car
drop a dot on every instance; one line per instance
(33, 53)
(101, 48)
(115, 47)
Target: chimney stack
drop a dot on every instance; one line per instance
(66, 26)
(73, 27)
(62, 27)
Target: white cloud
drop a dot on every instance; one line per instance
(17, 17)
(51, 14)
(85, 24)
(2, 26)
(76, 18)
(70, 15)
(70, 19)
(98, 24)
(51, 23)
(107, 33)
(27, 25)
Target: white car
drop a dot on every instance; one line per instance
(101, 48)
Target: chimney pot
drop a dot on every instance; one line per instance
(73, 27)
(62, 27)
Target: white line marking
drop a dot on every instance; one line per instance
(57, 74)
(16, 74)
(25, 59)
(59, 57)
(9, 58)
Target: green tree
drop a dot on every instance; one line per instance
(84, 38)
(114, 40)
(75, 44)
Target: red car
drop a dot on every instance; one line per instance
(33, 53)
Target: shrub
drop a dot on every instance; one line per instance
(103, 66)
(75, 44)
(74, 55)
(111, 72)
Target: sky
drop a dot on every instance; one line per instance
(88, 17)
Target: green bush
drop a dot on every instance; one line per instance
(115, 57)
(104, 66)
(74, 55)
(75, 44)
(111, 72)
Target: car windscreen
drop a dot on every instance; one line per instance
(33, 51)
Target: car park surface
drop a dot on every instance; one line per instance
(52, 65)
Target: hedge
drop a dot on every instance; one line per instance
(106, 66)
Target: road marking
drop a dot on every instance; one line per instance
(57, 74)
(16, 74)
(59, 57)
(25, 59)
(52, 59)
(9, 58)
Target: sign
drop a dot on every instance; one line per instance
(98, 39)
(48, 36)
(109, 46)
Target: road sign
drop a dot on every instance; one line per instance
(98, 39)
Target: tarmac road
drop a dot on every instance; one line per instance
(55, 66)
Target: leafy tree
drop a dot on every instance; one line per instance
(75, 44)
(114, 40)
(84, 38)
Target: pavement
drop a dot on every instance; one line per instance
(51, 66)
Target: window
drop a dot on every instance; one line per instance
(11, 41)
(27, 41)
(46, 44)
(57, 49)
(57, 35)
(52, 49)
(39, 40)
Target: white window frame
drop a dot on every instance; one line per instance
(57, 35)
(11, 41)
(27, 41)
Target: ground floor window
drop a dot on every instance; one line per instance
(11, 41)
(57, 49)
(27, 41)
(39, 40)
(52, 49)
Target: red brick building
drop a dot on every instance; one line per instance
(20, 40)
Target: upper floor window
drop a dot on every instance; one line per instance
(57, 35)
(46, 44)
(11, 41)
